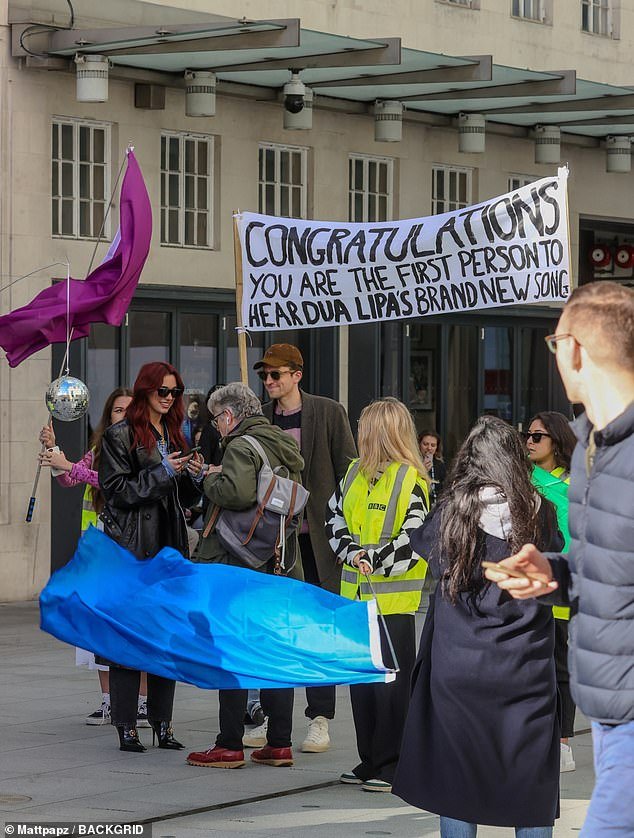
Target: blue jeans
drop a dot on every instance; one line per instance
(611, 812)
(451, 828)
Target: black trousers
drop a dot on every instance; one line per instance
(379, 710)
(276, 704)
(124, 696)
(320, 700)
(565, 706)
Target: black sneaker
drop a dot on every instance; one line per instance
(258, 716)
(101, 716)
(141, 715)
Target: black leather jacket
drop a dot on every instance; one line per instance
(143, 509)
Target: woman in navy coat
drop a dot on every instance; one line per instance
(481, 741)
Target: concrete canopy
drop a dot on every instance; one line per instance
(257, 57)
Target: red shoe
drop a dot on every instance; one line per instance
(273, 756)
(217, 757)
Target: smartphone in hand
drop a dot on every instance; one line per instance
(191, 452)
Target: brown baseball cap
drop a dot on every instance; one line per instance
(280, 355)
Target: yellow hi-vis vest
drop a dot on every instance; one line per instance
(88, 514)
(374, 515)
(561, 612)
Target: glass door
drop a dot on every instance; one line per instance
(148, 334)
(462, 384)
(496, 398)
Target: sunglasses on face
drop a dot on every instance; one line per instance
(536, 436)
(275, 374)
(164, 392)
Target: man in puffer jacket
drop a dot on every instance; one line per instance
(594, 344)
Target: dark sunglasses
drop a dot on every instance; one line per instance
(275, 374)
(164, 392)
(536, 437)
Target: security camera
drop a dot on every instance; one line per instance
(294, 92)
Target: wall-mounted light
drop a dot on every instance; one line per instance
(618, 154)
(388, 122)
(301, 120)
(200, 93)
(547, 144)
(92, 78)
(471, 133)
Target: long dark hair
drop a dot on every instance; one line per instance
(561, 434)
(97, 436)
(149, 379)
(493, 454)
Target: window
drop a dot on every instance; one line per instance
(370, 182)
(80, 178)
(517, 181)
(469, 4)
(535, 10)
(596, 17)
(451, 189)
(186, 190)
(282, 180)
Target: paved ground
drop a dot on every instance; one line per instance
(54, 767)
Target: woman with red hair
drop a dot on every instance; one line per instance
(147, 480)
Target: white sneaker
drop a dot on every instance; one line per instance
(566, 759)
(317, 740)
(141, 714)
(256, 737)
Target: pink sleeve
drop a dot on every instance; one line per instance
(81, 472)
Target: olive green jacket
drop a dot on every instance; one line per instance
(235, 487)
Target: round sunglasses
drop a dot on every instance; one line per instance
(274, 374)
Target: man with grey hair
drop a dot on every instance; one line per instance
(236, 411)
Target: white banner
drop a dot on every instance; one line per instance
(507, 251)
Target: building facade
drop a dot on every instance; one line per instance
(60, 159)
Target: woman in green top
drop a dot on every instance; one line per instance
(550, 443)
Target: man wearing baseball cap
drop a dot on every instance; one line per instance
(321, 428)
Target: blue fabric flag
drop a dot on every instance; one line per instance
(215, 626)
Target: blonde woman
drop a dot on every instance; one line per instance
(382, 499)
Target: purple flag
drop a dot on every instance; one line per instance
(103, 297)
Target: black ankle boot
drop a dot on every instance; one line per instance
(165, 735)
(129, 739)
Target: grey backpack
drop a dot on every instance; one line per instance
(259, 533)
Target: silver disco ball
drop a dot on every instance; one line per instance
(67, 398)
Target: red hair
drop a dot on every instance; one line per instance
(149, 379)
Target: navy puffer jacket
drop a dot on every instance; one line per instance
(598, 571)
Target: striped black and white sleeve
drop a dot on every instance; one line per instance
(341, 542)
(397, 556)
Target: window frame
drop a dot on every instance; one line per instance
(278, 148)
(543, 14)
(602, 5)
(164, 209)
(57, 122)
(462, 4)
(458, 170)
(522, 180)
(366, 159)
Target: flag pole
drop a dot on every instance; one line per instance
(242, 335)
(70, 329)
